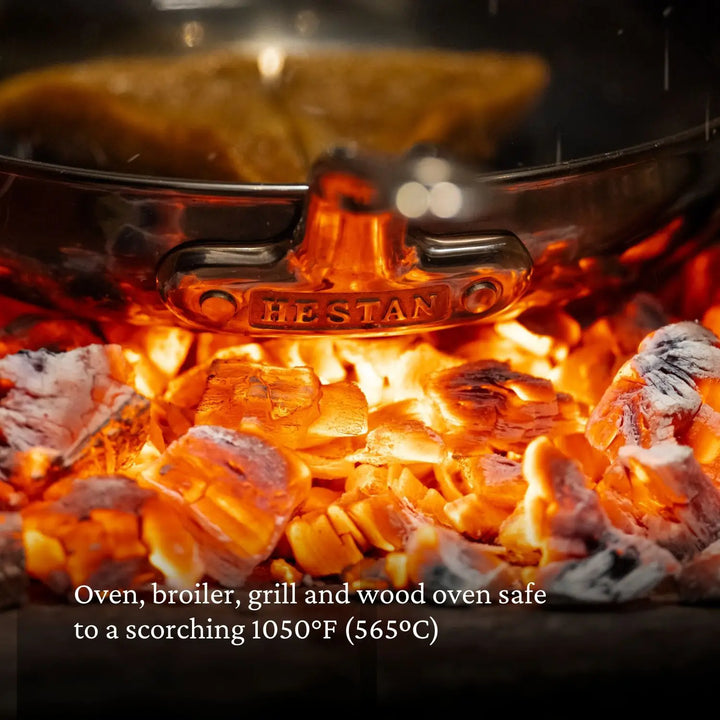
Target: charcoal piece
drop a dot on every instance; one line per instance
(486, 403)
(75, 403)
(280, 402)
(637, 318)
(564, 516)
(101, 493)
(622, 569)
(443, 559)
(655, 395)
(88, 531)
(235, 492)
(585, 558)
(36, 332)
(673, 502)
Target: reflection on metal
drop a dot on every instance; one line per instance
(270, 61)
(196, 4)
(430, 191)
(357, 269)
(193, 33)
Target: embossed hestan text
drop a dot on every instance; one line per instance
(315, 311)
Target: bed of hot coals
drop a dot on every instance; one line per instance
(581, 453)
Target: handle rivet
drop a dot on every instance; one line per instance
(480, 296)
(218, 306)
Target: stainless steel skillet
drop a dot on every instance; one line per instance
(614, 177)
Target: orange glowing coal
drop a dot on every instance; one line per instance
(580, 455)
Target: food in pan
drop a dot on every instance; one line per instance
(259, 117)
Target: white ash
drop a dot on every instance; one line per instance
(693, 522)
(586, 558)
(114, 492)
(623, 569)
(459, 564)
(473, 399)
(577, 522)
(62, 400)
(498, 469)
(670, 361)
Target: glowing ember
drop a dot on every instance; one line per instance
(581, 456)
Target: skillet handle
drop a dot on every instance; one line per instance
(353, 267)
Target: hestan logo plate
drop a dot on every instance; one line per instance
(277, 310)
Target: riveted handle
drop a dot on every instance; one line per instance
(353, 267)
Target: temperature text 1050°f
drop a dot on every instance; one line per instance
(288, 629)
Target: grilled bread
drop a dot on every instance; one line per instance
(223, 116)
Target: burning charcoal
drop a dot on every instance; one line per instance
(318, 353)
(327, 462)
(392, 369)
(409, 489)
(12, 561)
(89, 535)
(655, 395)
(605, 346)
(281, 402)
(623, 569)
(389, 571)
(34, 332)
(694, 288)
(10, 498)
(711, 319)
(403, 441)
(155, 353)
(235, 492)
(384, 520)
(441, 560)
(75, 403)
(33, 470)
(564, 516)
(173, 549)
(380, 509)
(496, 485)
(542, 332)
(318, 499)
(165, 347)
(283, 571)
(219, 346)
(444, 560)
(662, 493)
(343, 413)
(487, 404)
(584, 558)
(175, 411)
(589, 368)
(319, 549)
(640, 316)
(373, 573)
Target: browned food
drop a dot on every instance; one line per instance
(217, 117)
